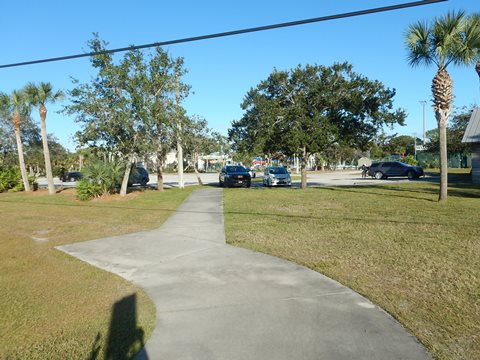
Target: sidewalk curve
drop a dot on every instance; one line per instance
(215, 301)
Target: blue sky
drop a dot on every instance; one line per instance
(221, 71)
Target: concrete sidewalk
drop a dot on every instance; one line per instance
(215, 301)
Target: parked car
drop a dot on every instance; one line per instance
(138, 175)
(71, 176)
(385, 169)
(251, 172)
(234, 175)
(276, 175)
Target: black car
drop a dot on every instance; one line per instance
(138, 175)
(71, 176)
(385, 169)
(234, 175)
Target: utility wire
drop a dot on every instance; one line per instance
(231, 33)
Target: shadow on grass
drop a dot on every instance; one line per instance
(370, 190)
(125, 339)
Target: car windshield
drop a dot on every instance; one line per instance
(277, 170)
(235, 169)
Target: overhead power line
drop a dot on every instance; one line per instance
(231, 33)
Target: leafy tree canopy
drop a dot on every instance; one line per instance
(309, 109)
(455, 131)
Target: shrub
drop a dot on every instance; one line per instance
(410, 159)
(424, 164)
(11, 179)
(87, 190)
(100, 178)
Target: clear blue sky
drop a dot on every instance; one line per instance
(221, 71)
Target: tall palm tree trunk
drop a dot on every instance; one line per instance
(442, 117)
(21, 160)
(442, 90)
(46, 152)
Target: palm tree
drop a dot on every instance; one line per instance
(39, 96)
(15, 107)
(475, 27)
(449, 39)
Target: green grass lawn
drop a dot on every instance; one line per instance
(416, 258)
(53, 306)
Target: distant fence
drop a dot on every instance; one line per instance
(456, 160)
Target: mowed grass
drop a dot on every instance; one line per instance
(416, 258)
(53, 306)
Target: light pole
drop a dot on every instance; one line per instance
(415, 145)
(423, 102)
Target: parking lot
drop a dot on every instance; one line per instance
(327, 178)
(330, 178)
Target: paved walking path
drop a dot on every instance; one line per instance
(215, 301)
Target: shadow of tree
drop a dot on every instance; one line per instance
(124, 338)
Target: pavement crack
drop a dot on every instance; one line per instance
(250, 303)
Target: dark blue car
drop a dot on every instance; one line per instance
(386, 169)
(234, 175)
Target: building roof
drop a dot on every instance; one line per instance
(472, 132)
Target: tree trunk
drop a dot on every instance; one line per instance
(126, 176)
(442, 118)
(46, 152)
(159, 178)
(304, 170)
(179, 133)
(159, 164)
(195, 162)
(21, 160)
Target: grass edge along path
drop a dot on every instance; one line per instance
(414, 257)
(53, 306)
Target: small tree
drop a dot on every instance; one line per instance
(38, 96)
(109, 109)
(451, 39)
(15, 107)
(198, 140)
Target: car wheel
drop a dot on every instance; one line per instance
(411, 175)
(379, 175)
(71, 179)
(249, 184)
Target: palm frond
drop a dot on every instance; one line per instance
(42, 93)
(5, 104)
(418, 44)
(20, 102)
(447, 37)
(469, 45)
(31, 92)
